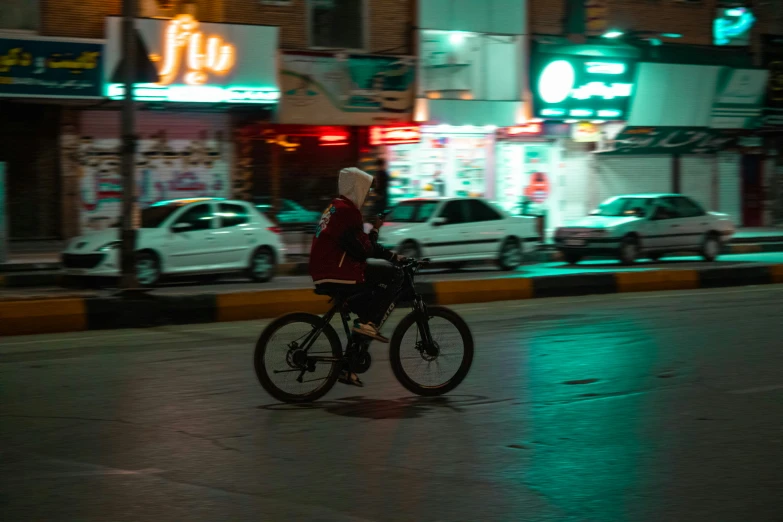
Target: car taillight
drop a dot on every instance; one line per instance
(275, 230)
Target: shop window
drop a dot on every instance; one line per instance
(455, 212)
(480, 211)
(20, 15)
(337, 24)
(198, 217)
(469, 66)
(233, 215)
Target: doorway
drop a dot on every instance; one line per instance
(751, 172)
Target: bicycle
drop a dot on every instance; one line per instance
(303, 355)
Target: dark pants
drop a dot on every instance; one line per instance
(372, 300)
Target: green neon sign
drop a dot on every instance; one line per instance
(195, 93)
(566, 86)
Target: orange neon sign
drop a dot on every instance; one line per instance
(530, 128)
(394, 135)
(183, 41)
(333, 139)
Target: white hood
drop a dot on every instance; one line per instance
(354, 184)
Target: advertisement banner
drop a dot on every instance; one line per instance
(772, 57)
(350, 90)
(50, 68)
(669, 140)
(199, 62)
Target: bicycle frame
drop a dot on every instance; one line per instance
(419, 308)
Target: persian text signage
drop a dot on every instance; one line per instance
(579, 87)
(49, 68)
(200, 62)
(394, 135)
(670, 140)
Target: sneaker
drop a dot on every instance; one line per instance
(369, 330)
(350, 378)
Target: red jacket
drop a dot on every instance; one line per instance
(340, 247)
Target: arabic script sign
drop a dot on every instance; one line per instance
(50, 68)
(579, 87)
(670, 140)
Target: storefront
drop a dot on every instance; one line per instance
(185, 122)
(447, 161)
(41, 79)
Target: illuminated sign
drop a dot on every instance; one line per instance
(331, 140)
(394, 135)
(732, 26)
(568, 87)
(200, 62)
(530, 129)
(185, 43)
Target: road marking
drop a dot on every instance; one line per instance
(760, 389)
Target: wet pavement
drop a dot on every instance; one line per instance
(635, 407)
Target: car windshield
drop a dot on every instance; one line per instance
(154, 216)
(623, 207)
(412, 212)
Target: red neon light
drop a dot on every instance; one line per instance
(327, 140)
(394, 135)
(530, 128)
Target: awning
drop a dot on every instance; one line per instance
(676, 95)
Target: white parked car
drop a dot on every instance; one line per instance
(457, 230)
(201, 236)
(645, 225)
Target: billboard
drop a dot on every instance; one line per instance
(47, 68)
(199, 62)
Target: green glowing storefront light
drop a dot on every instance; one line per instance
(577, 86)
(197, 94)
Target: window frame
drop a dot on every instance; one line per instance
(178, 217)
(364, 28)
(219, 213)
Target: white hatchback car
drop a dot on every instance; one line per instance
(201, 236)
(645, 225)
(457, 230)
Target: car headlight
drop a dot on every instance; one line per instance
(110, 246)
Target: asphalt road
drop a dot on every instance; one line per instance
(233, 284)
(634, 407)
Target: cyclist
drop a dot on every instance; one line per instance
(339, 254)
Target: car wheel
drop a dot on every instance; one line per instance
(262, 265)
(510, 255)
(629, 251)
(410, 250)
(147, 269)
(572, 258)
(710, 248)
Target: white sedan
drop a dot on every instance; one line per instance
(645, 225)
(457, 230)
(201, 236)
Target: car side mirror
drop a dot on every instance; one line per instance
(181, 227)
(439, 221)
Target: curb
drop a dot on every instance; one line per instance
(71, 314)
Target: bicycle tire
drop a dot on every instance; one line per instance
(260, 365)
(396, 362)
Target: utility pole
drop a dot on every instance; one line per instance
(128, 234)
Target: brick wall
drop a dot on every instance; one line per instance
(85, 18)
(388, 28)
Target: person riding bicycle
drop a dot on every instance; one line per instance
(339, 254)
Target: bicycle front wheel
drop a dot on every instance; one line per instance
(435, 370)
(283, 367)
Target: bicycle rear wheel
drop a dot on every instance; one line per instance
(442, 370)
(279, 359)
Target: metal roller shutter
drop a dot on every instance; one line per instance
(574, 174)
(632, 175)
(730, 196)
(696, 178)
(180, 155)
